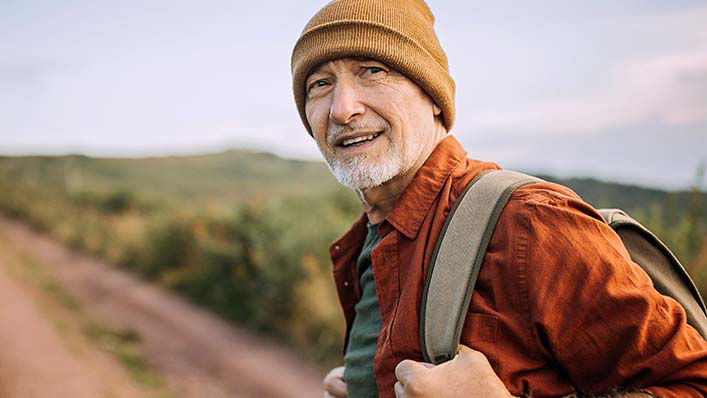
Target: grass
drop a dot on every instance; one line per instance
(124, 344)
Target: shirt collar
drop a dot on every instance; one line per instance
(414, 202)
(416, 199)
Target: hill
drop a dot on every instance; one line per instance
(230, 176)
(239, 175)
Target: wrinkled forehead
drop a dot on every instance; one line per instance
(325, 65)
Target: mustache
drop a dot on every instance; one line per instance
(336, 130)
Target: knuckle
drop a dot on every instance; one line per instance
(404, 363)
(477, 357)
(414, 389)
(328, 385)
(400, 368)
(333, 374)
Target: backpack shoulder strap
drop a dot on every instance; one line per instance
(457, 258)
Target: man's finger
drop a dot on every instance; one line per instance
(399, 390)
(334, 384)
(407, 368)
(327, 394)
(336, 388)
(335, 373)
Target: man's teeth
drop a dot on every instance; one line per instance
(350, 141)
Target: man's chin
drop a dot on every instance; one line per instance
(355, 180)
(364, 176)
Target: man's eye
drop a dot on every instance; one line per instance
(318, 83)
(374, 69)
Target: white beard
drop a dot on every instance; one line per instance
(360, 172)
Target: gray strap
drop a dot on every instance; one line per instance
(457, 258)
(668, 275)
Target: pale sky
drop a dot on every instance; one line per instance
(614, 90)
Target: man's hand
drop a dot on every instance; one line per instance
(334, 384)
(468, 375)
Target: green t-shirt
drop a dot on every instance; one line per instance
(363, 337)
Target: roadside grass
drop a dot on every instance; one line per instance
(123, 344)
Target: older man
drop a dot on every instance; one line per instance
(559, 308)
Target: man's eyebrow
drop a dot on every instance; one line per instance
(313, 75)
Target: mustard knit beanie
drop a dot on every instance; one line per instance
(399, 33)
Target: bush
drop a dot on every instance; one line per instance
(118, 202)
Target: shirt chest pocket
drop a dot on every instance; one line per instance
(479, 327)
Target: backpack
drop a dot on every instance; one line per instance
(471, 222)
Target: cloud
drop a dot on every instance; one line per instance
(669, 88)
(22, 74)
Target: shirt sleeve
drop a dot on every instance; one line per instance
(596, 313)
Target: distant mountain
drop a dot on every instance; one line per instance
(634, 199)
(234, 175)
(241, 175)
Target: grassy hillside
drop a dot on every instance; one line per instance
(227, 177)
(246, 233)
(239, 176)
(603, 194)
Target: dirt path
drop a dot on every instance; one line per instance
(37, 360)
(197, 354)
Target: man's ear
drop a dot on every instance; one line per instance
(437, 110)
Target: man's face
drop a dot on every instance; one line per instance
(370, 122)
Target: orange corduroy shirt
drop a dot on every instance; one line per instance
(558, 308)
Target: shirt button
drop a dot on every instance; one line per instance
(346, 283)
(336, 247)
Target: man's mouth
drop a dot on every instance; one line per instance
(359, 140)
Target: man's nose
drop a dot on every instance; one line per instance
(346, 103)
